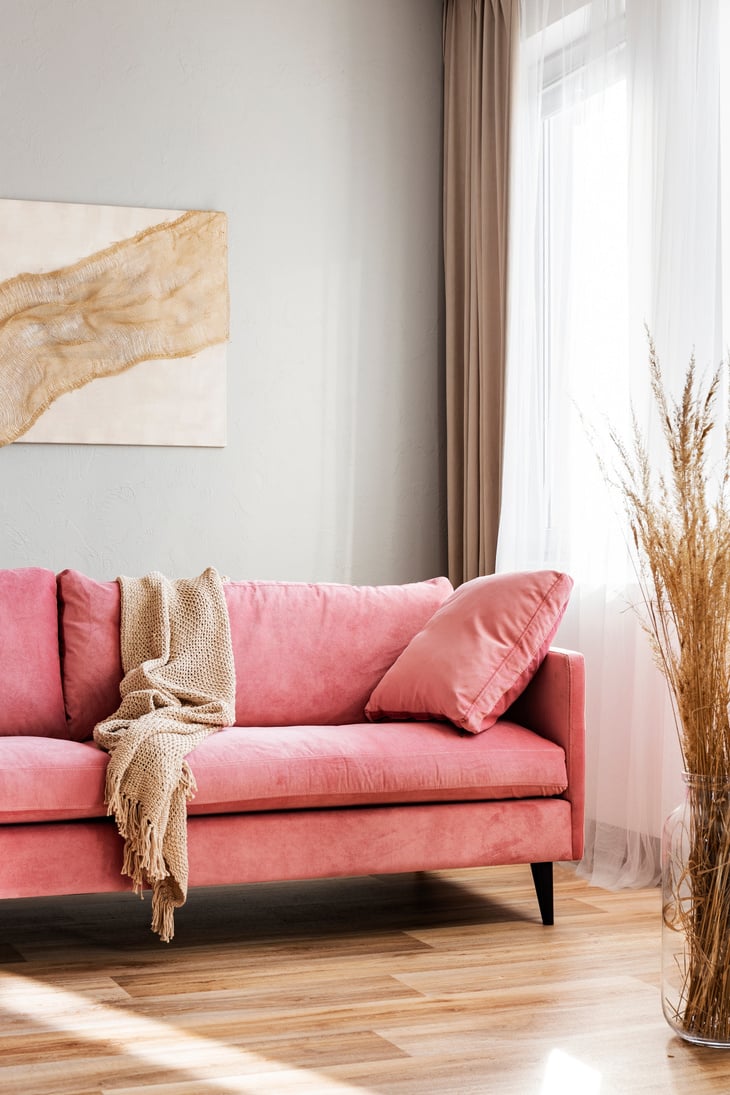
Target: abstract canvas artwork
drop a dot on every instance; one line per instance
(113, 324)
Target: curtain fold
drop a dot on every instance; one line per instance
(479, 41)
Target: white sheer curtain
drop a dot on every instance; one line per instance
(615, 223)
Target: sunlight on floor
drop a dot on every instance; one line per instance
(565, 1075)
(196, 1064)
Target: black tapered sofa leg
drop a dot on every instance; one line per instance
(542, 876)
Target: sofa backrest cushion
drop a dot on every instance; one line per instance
(31, 698)
(91, 658)
(304, 653)
(311, 654)
(477, 653)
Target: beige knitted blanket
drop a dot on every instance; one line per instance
(179, 687)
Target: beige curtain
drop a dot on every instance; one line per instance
(479, 38)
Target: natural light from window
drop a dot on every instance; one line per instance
(193, 1062)
(586, 347)
(566, 1075)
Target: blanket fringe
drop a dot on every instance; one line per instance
(143, 858)
(163, 910)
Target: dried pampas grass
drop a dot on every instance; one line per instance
(679, 520)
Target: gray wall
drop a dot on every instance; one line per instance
(316, 126)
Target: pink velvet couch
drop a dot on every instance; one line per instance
(304, 786)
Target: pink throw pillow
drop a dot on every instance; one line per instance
(477, 653)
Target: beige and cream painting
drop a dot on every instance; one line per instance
(113, 325)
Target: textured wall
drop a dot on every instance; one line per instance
(315, 125)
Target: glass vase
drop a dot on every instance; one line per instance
(696, 913)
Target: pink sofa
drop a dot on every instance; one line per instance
(304, 786)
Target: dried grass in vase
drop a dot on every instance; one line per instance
(680, 526)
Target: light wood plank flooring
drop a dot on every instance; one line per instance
(439, 983)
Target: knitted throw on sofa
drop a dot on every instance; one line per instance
(178, 688)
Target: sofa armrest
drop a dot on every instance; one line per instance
(553, 705)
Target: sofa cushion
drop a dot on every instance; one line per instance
(91, 657)
(46, 780)
(284, 768)
(246, 769)
(304, 653)
(312, 654)
(477, 653)
(31, 698)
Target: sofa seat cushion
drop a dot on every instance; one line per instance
(284, 768)
(245, 769)
(46, 779)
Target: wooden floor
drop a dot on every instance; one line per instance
(417, 983)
